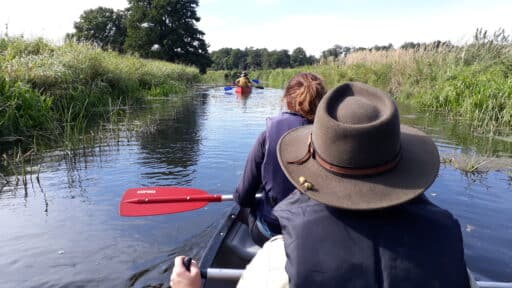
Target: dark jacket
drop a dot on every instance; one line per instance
(262, 170)
(415, 244)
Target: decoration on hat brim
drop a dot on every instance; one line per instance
(303, 182)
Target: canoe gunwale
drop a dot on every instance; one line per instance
(214, 244)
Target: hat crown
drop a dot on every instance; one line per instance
(357, 111)
(357, 126)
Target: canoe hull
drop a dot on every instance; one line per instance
(243, 90)
(230, 247)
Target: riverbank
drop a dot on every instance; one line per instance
(472, 82)
(53, 93)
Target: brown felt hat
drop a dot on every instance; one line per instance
(356, 155)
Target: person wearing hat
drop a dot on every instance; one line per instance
(358, 216)
(243, 80)
(262, 170)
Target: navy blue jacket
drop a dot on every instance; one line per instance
(262, 170)
(415, 244)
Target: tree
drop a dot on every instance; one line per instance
(170, 24)
(255, 58)
(409, 45)
(382, 47)
(281, 59)
(221, 59)
(102, 26)
(336, 51)
(312, 60)
(238, 59)
(298, 57)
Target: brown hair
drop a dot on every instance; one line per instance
(303, 93)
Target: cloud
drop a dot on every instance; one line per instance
(316, 33)
(50, 19)
(206, 2)
(266, 2)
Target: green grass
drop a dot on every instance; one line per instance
(53, 93)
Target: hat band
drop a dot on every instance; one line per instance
(312, 153)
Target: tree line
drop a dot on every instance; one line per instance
(257, 58)
(253, 59)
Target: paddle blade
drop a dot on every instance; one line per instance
(256, 81)
(147, 201)
(258, 87)
(228, 88)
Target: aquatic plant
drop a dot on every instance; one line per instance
(23, 110)
(472, 162)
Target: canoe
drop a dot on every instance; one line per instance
(243, 90)
(231, 247)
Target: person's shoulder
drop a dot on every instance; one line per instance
(294, 202)
(274, 119)
(285, 116)
(423, 206)
(422, 202)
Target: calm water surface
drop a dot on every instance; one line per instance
(63, 229)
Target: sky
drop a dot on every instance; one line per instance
(314, 25)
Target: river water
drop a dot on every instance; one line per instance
(61, 227)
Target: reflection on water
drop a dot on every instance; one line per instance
(457, 134)
(173, 146)
(62, 228)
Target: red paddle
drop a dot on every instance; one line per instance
(147, 201)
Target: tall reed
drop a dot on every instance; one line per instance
(473, 81)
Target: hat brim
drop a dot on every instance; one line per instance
(417, 169)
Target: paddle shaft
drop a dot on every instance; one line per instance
(215, 273)
(221, 273)
(488, 284)
(173, 199)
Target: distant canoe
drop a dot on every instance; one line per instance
(243, 90)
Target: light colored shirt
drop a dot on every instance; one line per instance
(266, 269)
